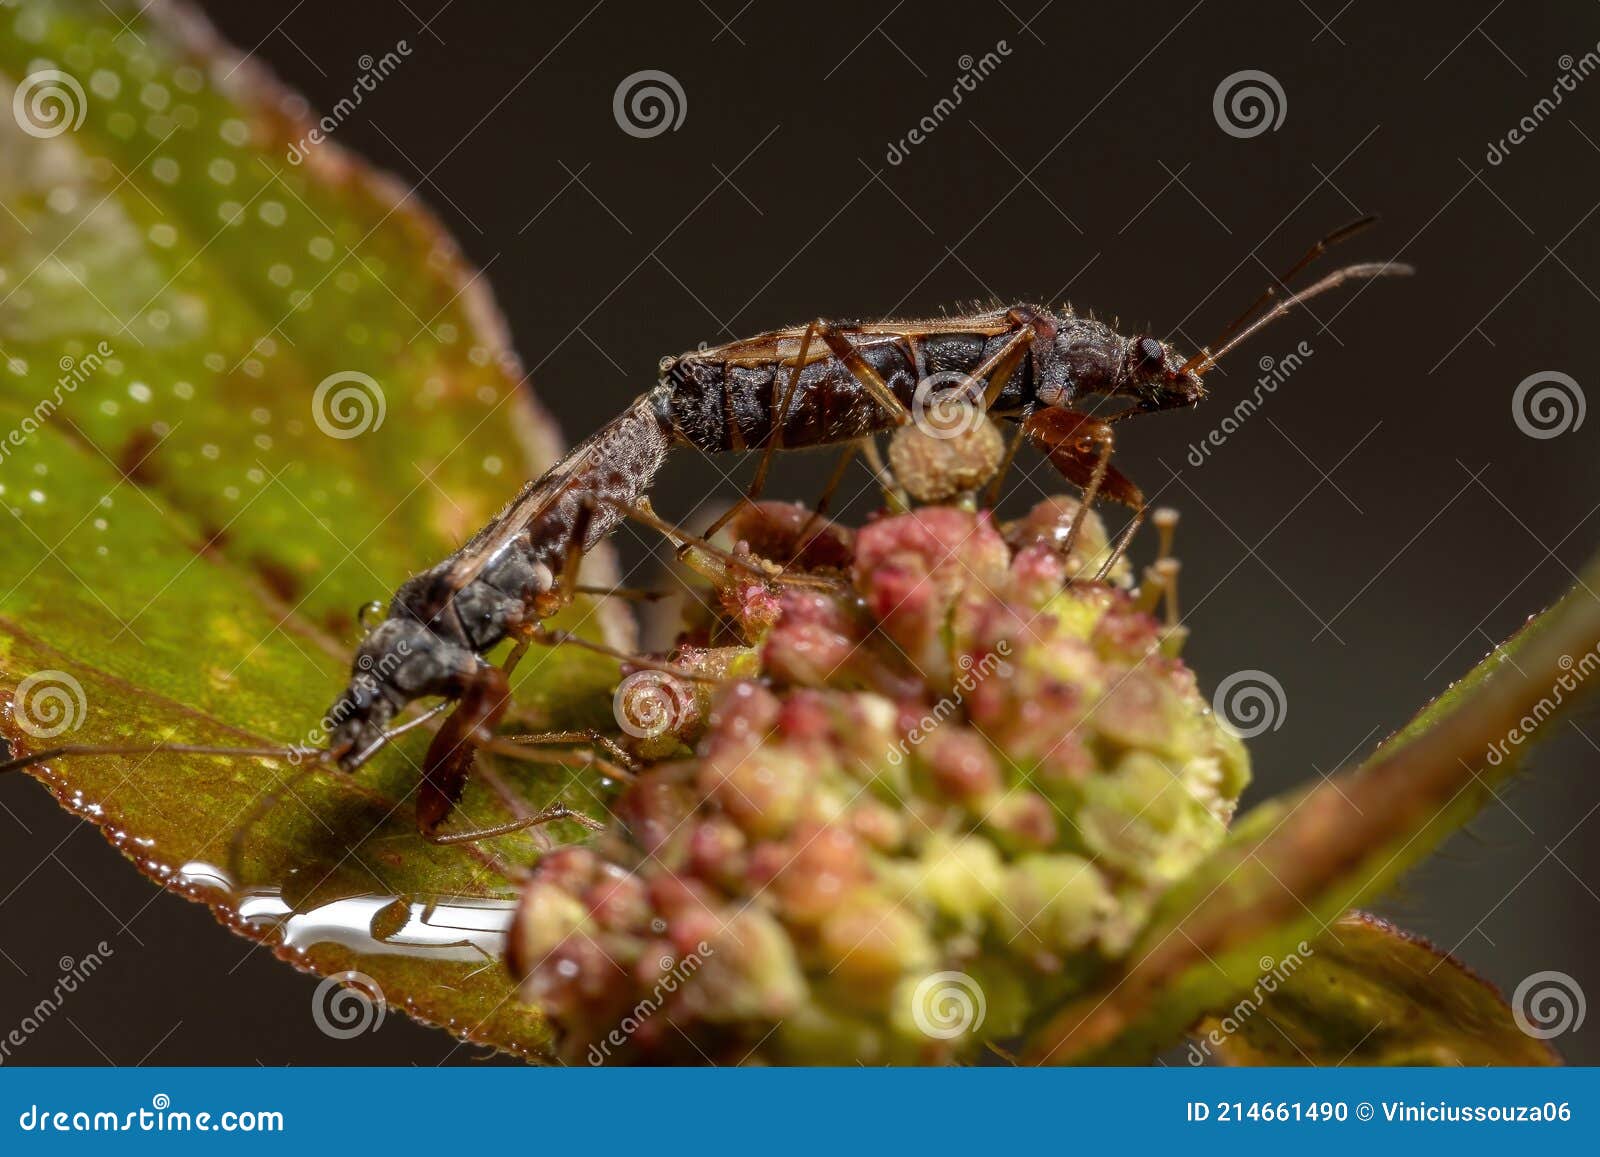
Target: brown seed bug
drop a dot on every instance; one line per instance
(813, 385)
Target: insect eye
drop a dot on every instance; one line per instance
(1150, 355)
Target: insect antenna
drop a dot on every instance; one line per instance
(293, 752)
(22, 762)
(1203, 362)
(1343, 233)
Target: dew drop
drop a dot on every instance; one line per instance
(369, 615)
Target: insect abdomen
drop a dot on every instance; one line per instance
(717, 406)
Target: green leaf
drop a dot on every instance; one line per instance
(1293, 865)
(1368, 994)
(189, 526)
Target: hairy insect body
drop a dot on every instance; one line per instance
(442, 623)
(746, 395)
(813, 385)
(722, 403)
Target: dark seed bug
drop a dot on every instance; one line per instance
(1050, 372)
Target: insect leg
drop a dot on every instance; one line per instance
(863, 372)
(274, 795)
(523, 820)
(775, 438)
(1080, 447)
(449, 760)
(998, 367)
(991, 496)
(820, 510)
(631, 594)
(567, 639)
(893, 495)
(616, 762)
(687, 544)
